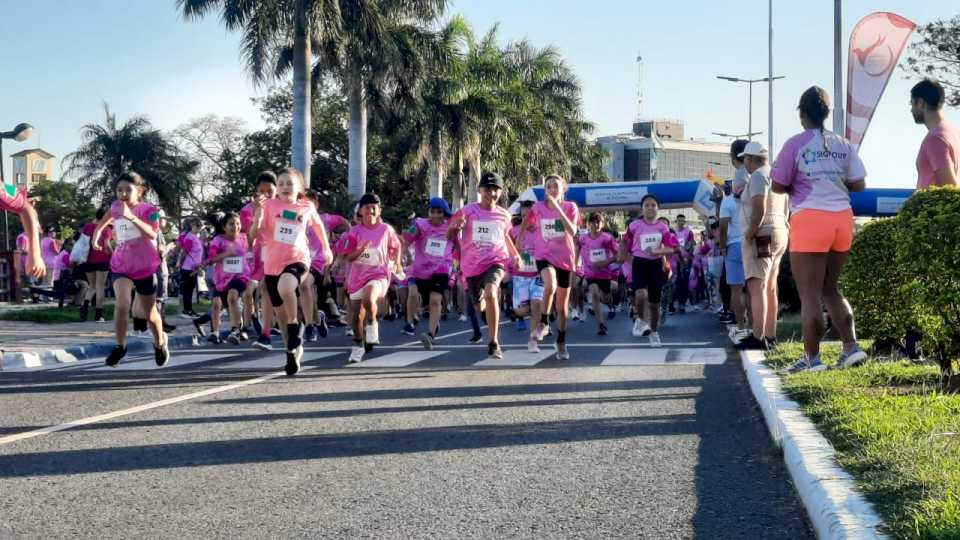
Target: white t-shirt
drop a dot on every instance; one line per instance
(730, 208)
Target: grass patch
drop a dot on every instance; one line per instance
(71, 314)
(893, 431)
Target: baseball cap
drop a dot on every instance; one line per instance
(438, 202)
(491, 179)
(754, 148)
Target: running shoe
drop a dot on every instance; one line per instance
(736, 335)
(463, 317)
(322, 328)
(372, 334)
(101, 320)
(263, 343)
(602, 331)
(494, 351)
(169, 328)
(293, 361)
(427, 340)
(476, 338)
(562, 353)
(574, 314)
(804, 365)
(853, 358)
(751, 343)
(368, 347)
(521, 325)
(654, 339)
(533, 346)
(234, 337)
(356, 355)
(244, 334)
(215, 339)
(309, 334)
(349, 332)
(726, 318)
(637, 330)
(201, 331)
(162, 353)
(408, 330)
(295, 338)
(542, 331)
(116, 355)
(611, 313)
(645, 328)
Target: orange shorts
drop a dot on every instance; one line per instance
(819, 231)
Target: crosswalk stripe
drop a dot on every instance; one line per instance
(697, 356)
(274, 361)
(518, 357)
(399, 359)
(176, 360)
(644, 357)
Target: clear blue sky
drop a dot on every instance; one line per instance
(63, 58)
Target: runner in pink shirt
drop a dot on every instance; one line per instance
(555, 222)
(134, 263)
(312, 286)
(280, 225)
(231, 275)
(433, 256)
(527, 285)
(373, 250)
(647, 241)
(14, 200)
(486, 248)
(191, 253)
(598, 252)
(266, 188)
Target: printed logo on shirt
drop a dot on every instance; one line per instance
(527, 263)
(810, 156)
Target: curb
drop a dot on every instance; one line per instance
(56, 357)
(837, 510)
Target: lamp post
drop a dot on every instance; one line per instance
(750, 83)
(20, 133)
(748, 135)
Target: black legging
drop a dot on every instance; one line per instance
(188, 283)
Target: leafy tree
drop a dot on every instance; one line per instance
(937, 54)
(208, 140)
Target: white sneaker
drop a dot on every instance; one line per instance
(654, 339)
(372, 334)
(463, 318)
(737, 335)
(637, 327)
(562, 353)
(356, 355)
(574, 314)
(543, 330)
(532, 345)
(349, 332)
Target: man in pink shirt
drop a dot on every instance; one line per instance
(938, 163)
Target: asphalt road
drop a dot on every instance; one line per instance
(623, 441)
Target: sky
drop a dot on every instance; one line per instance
(63, 59)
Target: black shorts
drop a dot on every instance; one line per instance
(603, 284)
(648, 274)
(317, 277)
(563, 276)
(89, 268)
(144, 287)
(234, 285)
(297, 270)
(477, 283)
(437, 283)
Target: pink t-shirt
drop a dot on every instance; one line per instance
(193, 250)
(136, 256)
(817, 168)
(528, 261)
(283, 234)
(554, 245)
(332, 221)
(235, 266)
(23, 245)
(49, 249)
(483, 241)
(684, 236)
(97, 256)
(641, 235)
(597, 249)
(433, 253)
(12, 199)
(61, 263)
(939, 150)
(374, 262)
(254, 255)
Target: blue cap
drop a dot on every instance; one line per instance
(437, 202)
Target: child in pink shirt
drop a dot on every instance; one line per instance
(266, 189)
(231, 275)
(433, 255)
(598, 252)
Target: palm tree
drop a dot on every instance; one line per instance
(270, 27)
(109, 150)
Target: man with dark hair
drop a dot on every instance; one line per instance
(731, 234)
(938, 163)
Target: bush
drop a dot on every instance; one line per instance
(928, 250)
(876, 286)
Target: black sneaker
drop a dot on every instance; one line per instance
(162, 353)
(367, 347)
(750, 343)
(309, 334)
(427, 340)
(293, 361)
(477, 338)
(201, 331)
(168, 328)
(602, 331)
(234, 336)
(772, 343)
(116, 355)
(263, 343)
(294, 337)
(215, 339)
(494, 350)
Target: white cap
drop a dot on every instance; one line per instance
(754, 148)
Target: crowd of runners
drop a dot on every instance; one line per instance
(281, 264)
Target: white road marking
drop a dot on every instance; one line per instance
(399, 359)
(515, 357)
(149, 363)
(697, 356)
(635, 357)
(139, 408)
(272, 362)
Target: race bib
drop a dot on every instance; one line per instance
(650, 241)
(370, 257)
(436, 247)
(233, 265)
(598, 255)
(125, 230)
(551, 229)
(485, 232)
(527, 264)
(287, 232)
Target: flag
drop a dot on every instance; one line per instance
(875, 47)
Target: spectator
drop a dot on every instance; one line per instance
(49, 249)
(97, 268)
(731, 233)
(938, 163)
(764, 243)
(191, 254)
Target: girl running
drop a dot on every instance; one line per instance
(647, 241)
(231, 274)
(266, 190)
(134, 263)
(280, 226)
(598, 252)
(433, 255)
(527, 285)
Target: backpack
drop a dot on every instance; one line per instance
(81, 250)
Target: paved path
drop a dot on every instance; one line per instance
(624, 441)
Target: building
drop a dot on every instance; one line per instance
(657, 150)
(32, 166)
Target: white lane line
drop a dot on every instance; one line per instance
(518, 358)
(271, 362)
(176, 360)
(399, 359)
(697, 356)
(139, 408)
(445, 336)
(635, 357)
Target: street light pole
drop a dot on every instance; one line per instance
(738, 136)
(750, 83)
(770, 76)
(838, 96)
